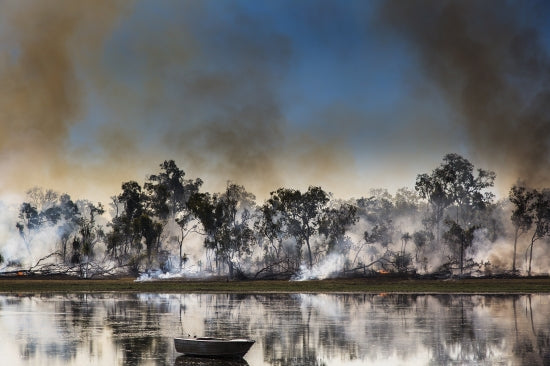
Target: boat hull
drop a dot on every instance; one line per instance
(213, 347)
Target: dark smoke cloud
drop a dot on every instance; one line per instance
(197, 82)
(211, 99)
(489, 61)
(40, 92)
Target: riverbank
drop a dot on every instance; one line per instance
(359, 285)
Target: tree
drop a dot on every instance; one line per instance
(405, 238)
(124, 242)
(301, 213)
(269, 226)
(226, 219)
(89, 234)
(334, 224)
(421, 240)
(432, 188)
(460, 239)
(406, 202)
(522, 216)
(71, 216)
(465, 189)
(48, 208)
(378, 210)
(168, 191)
(454, 183)
(540, 209)
(168, 194)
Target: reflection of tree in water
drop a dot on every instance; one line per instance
(457, 333)
(59, 345)
(137, 331)
(531, 346)
(275, 319)
(81, 317)
(296, 329)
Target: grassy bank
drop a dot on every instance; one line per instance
(373, 285)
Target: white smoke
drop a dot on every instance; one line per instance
(189, 271)
(19, 251)
(327, 268)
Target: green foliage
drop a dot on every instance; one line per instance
(454, 184)
(539, 208)
(335, 222)
(147, 223)
(300, 213)
(459, 239)
(227, 222)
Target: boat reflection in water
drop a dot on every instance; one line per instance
(205, 361)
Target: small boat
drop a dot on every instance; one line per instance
(213, 347)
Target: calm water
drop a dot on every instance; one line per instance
(122, 329)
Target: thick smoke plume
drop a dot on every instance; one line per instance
(95, 94)
(489, 60)
(41, 96)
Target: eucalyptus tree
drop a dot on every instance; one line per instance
(421, 240)
(124, 241)
(168, 191)
(168, 194)
(379, 212)
(47, 208)
(270, 234)
(335, 223)
(406, 202)
(454, 183)
(227, 222)
(301, 214)
(29, 219)
(88, 235)
(540, 210)
(432, 188)
(71, 216)
(522, 214)
(460, 239)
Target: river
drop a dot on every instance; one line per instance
(289, 329)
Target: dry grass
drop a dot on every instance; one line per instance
(360, 285)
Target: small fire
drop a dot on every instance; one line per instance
(383, 271)
(20, 273)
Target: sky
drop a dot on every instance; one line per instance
(346, 95)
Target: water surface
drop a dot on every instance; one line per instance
(289, 329)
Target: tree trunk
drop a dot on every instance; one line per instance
(461, 257)
(181, 258)
(533, 238)
(530, 258)
(515, 246)
(230, 265)
(309, 253)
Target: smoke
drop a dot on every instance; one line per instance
(330, 266)
(41, 96)
(21, 252)
(191, 271)
(92, 95)
(489, 61)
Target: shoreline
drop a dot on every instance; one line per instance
(471, 286)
